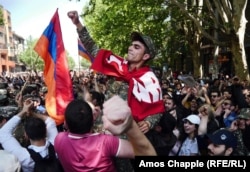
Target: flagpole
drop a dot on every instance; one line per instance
(79, 61)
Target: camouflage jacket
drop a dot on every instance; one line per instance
(241, 149)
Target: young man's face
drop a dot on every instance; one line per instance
(243, 123)
(214, 98)
(217, 150)
(169, 104)
(136, 52)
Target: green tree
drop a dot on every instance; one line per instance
(71, 62)
(190, 45)
(30, 58)
(84, 63)
(1, 16)
(229, 22)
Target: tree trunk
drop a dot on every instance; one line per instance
(237, 41)
(196, 59)
(239, 58)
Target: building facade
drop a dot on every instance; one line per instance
(11, 45)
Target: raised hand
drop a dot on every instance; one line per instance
(73, 15)
(116, 115)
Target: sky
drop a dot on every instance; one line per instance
(31, 17)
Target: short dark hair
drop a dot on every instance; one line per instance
(79, 117)
(214, 90)
(167, 123)
(147, 41)
(29, 89)
(35, 128)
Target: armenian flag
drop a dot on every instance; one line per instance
(83, 52)
(50, 48)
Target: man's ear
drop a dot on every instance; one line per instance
(228, 151)
(96, 112)
(26, 136)
(146, 57)
(65, 126)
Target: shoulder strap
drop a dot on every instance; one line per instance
(34, 155)
(52, 153)
(48, 164)
(37, 157)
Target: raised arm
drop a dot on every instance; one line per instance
(73, 15)
(7, 139)
(141, 145)
(83, 33)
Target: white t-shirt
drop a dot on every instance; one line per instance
(189, 146)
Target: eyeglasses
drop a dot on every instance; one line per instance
(225, 103)
(214, 96)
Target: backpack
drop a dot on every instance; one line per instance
(49, 163)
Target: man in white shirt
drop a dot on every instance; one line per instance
(40, 129)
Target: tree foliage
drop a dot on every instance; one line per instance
(84, 63)
(30, 58)
(71, 62)
(1, 16)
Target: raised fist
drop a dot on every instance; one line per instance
(73, 15)
(116, 115)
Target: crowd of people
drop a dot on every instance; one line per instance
(122, 108)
